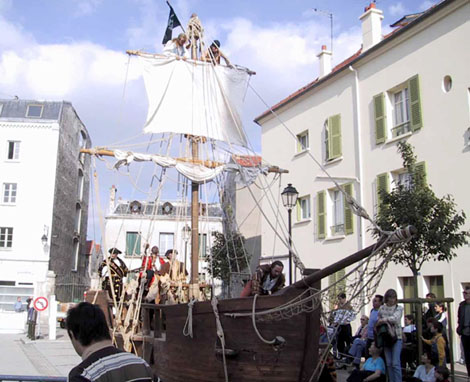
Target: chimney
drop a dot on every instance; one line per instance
(325, 61)
(371, 26)
(112, 199)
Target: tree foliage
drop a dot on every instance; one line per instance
(227, 255)
(436, 219)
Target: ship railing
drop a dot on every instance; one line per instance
(31, 378)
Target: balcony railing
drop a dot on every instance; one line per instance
(401, 129)
(337, 230)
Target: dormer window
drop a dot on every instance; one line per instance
(34, 111)
(135, 207)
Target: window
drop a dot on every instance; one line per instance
(403, 104)
(333, 146)
(80, 185)
(303, 208)
(333, 211)
(338, 213)
(435, 285)
(302, 142)
(133, 243)
(166, 242)
(408, 292)
(401, 112)
(82, 145)
(13, 150)
(6, 237)
(34, 111)
(202, 245)
(78, 218)
(76, 252)
(9, 193)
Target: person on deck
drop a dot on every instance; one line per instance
(267, 279)
(214, 54)
(176, 47)
(173, 266)
(463, 326)
(118, 270)
(390, 314)
(101, 361)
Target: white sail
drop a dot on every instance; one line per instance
(194, 97)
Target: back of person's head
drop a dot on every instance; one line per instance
(278, 263)
(342, 295)
(438, 325)
(442, 370)
(87, 323)
(431, 321)
(442, 306)
(216, 44)
(430, 295)
(380, 297)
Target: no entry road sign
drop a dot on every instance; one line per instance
(40, 304)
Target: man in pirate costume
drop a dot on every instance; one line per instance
(118, 270)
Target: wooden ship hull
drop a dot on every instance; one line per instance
(176, 357)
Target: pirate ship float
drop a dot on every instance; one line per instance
(197, 104)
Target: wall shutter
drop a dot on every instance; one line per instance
(380, 119)
(299, 211)
(334, 136)
(321, 215)
(382, 183)
(416, 120)
(421, 171)
(348, 214)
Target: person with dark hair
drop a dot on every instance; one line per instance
(437, 343)
(463, 326)
(441, 315)
(390, 315)
(267, 279)
(372, 370)
(377, 302)
(342, 316)
(173, 267)
(424, 372)
(101, 361)
(408, 352)
(214, 54)
(430, 313)
(442, 374)
(117, 271)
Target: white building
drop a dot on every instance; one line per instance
(44, 196)
(130, 225)
(413, 85)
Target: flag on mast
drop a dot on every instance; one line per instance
(173, 22)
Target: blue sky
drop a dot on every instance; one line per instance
(74, 50)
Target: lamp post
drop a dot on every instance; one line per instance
(186, 235)
(289, 200)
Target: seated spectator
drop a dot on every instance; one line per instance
(374, 316)
(442, 374)
(438, 344)
(372, 370)
(359, 344)
(424, 372)
(18, 305)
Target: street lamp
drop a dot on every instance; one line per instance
(186, 236)
(289, 200)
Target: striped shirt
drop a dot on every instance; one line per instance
(111, 365)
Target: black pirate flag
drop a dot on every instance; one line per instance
(173, 22)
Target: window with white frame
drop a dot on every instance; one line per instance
(9, 193)
(337, 227)
(13, 151)
(302, 142)
(303, 208)
(401, 112)
(34, 111)
(6, 237)
(166, 242)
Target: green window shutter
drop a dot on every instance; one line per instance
(416, 120)
(334, 136)
(380, 118)
(348, 214)
(299, 211)
(341, 286)
(138, 245)
(321, 215)
(420, 170)
(133, 243)
(382, 183)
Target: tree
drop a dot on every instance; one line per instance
(227, 256)
(436, 219)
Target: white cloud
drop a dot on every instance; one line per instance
(86, 7)
(397, 9)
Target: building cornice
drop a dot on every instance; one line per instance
(28, 125)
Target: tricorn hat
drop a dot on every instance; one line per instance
(114, 250)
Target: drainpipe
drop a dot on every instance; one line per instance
(358, 152)
(357, 125)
